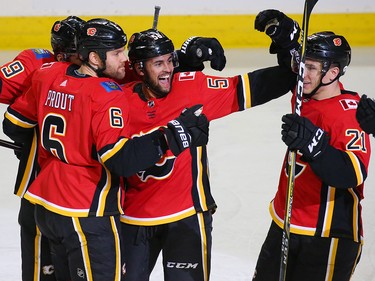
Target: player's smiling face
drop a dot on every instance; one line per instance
(158, 74)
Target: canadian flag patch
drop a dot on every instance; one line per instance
(348, 104)
(186, 76)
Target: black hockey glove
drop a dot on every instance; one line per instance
(196, 50)
(299, 133)
(186, 130)
(366, 114)
(196, 123)
(283, 31)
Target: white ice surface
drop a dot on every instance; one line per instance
(245, 152)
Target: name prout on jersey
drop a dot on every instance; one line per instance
(59, 100)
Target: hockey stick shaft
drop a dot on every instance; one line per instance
(156, 17)
(309, 5)
(10, 145)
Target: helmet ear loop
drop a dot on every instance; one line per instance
(326, 67)
(175, 61)
(102, 56)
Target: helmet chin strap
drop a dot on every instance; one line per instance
(99, 71)
(321, 84)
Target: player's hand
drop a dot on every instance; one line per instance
(190, 128)
(366, 114)
(196, 50)
(283, 30)
(197, 124)
(299, 133)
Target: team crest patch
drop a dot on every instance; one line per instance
(41, 53)
(184, 76)
(110, 86)
(348, 104)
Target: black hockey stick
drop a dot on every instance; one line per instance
(156, 17)
(309, 5)
(10, 145)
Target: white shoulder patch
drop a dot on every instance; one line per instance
(184, 76)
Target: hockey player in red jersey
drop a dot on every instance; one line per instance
(15, 80)
(83, 149)
(366, 114)
(332, 161)
(168, 207)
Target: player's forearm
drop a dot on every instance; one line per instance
(136, 155)
(336, 168)
(17, 133)
(270, 83)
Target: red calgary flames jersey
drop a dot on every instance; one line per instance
(320, 209)
(16, 75)
(76, 117)
(178, 187)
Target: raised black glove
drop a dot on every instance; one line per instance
(283, 31)
(196, 50)
(366, 114)
(299, 133)
(190, 128)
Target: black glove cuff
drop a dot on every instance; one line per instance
(317, 152)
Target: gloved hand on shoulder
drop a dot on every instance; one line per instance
(188, 129)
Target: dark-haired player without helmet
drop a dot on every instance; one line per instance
(168, 207)
(15, 78)
(84, 149)
(333, 155)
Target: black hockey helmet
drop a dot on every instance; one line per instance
(63, 35)
(149, 44)
(100, 35)
(329, 48)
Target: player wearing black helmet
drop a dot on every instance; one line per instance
(95, 40)
(332, 162)
(150, 44)
(168, 207)
(15, 80)
(63, 39)
(77, 192)
(329, 50)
